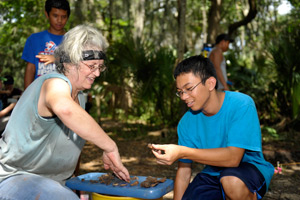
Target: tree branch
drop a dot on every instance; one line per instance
(250, 16)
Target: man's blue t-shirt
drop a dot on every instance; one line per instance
(41, 43)
(236, 124)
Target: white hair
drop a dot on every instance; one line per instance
(75, 41)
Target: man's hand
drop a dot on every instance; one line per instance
(166, 154)
(47, 59)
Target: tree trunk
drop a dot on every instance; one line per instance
(138, 10)
(110, 26)
(181, 29)
(204, 22)
(214, 18)
(162, 20)
(80, 8)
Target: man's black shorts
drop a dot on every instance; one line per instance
(207, 187)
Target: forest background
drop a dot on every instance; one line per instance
(149, 37)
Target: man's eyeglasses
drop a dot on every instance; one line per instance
(187, 91)
(93, 68)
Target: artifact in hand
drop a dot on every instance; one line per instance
(156, 150)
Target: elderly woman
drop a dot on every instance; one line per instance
(48, 127)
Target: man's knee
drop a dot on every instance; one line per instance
(235, 188)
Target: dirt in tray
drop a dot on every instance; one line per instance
(139, 160)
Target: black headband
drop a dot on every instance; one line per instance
(93, 55)
(86, 55)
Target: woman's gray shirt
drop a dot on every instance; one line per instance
(38, 145)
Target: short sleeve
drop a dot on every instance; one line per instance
(28, 51)
(182, 139)
(244, 131)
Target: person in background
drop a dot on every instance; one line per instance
(217, 58)
(11, 94)
(8, 98)
(221, 130)
(39, 47)
(2, 91)
(49, 125)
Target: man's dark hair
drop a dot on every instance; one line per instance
(9, 80)
(199, 66)
(223, 36)
(59, 4)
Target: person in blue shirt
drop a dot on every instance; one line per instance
(39, 47)
(221, 130)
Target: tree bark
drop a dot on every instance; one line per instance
(181, 29)
(162, 20)
(80, 8)
(214, 18)
(138, 10)
(110, 25)
(250, 16)
(204, 22)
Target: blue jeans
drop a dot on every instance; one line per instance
(30, 187)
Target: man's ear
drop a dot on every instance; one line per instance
(211, 82)
(46, 14)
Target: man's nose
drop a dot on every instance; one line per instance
(184, 95)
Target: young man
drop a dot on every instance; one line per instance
(40, 45)
(218, 60)
(220, 130)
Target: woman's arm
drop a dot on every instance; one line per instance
(55, 99)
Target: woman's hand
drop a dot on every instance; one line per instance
(113, 161)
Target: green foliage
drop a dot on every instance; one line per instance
(285, 51)
(16, 22)
(157, 86)
(296, 98)
(255, 80)
(266, 66)
(139, 81)
(295, 3)
(269, 132)
(139, 84)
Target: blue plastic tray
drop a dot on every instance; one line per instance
(137, 191)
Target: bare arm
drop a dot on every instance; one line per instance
(6, 110)
(29, 74)
(216, 58)
(183, 177)
(221, 157)
(55, 99)
(5, 91)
